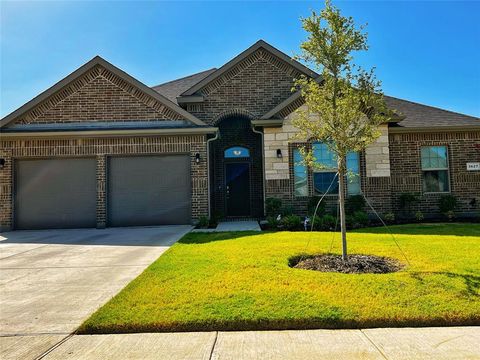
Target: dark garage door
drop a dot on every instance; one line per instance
(55, 193)
(149, 190)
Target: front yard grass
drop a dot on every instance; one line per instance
(242, 281)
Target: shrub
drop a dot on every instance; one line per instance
(357, 220)
(203, 222)
(327, 222)
(361, 217)
(419, 216)
(354, 204)
(406, 200)
(273, 206)
(286, 210)
(291, 222)
(447, 205)
(312, 204)
(272, 222)
(389, 217)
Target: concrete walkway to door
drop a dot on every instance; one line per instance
(52, 280)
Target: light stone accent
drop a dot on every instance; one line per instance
(377, 156)
(278, 138)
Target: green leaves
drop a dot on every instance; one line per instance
(345, 106)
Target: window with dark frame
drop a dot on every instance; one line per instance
(323, 176)
(434, 160)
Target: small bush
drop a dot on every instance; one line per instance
(291, 222)
(272, 222)
(361, 217)
(203, 222)
(286, 210)
(406, 200)
(419, 216)
(273, 206)
(327, 222)
(354, 204)
(447, 205)
(389, 218)
(312, 204)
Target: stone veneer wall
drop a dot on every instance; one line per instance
(406, 171)
(101, 148)
(374, 169)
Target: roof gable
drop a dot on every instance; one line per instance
(275, 55)
(92, 71)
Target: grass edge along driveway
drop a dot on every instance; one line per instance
(242, 281)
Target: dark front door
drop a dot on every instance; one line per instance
(237, 180)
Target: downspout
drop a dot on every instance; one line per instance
(208, 171)
(263, 164)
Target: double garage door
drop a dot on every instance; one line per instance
(141, 190)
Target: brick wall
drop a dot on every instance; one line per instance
(102, 148)
(98, 95)
(236, 131)
(405, 161)
(255, 85)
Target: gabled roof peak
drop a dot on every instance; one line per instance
(229, 65)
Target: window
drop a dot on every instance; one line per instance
(237, 152)
(435, 168)
(322, 178)
(353, 175)
(299, 174)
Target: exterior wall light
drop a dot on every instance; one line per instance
(197, 158)
(2, 163)
(279, 153)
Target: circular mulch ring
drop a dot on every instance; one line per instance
(355, 264)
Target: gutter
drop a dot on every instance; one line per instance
(399, 130)
(208, 170)
(263, 163)
(109, 133)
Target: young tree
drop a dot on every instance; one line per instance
(345, 105)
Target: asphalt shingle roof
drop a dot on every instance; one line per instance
(414, 115)
(174, 88)
(424, 116)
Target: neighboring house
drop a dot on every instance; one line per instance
(99, 149)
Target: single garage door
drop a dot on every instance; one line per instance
(149, 190)
(55, 193)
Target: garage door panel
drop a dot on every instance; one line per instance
(149, 190)
(55, 193)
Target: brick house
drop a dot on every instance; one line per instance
(100, 148)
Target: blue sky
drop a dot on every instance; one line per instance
(426, 52)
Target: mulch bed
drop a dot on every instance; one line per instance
(356, 264)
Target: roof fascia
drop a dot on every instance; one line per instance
(109, 133)
(97, 60)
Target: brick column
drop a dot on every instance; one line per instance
(6, 191)
(101, 191)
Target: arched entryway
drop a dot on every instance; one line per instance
(237, 169)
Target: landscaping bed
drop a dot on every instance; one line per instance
(355, 264)
(243, 281)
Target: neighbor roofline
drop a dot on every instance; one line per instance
(97, 60)
(259, 44)
(109, 133)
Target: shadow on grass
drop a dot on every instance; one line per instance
(204, 238)
(452, 229)
(472, 282)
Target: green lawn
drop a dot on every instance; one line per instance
(240, 281)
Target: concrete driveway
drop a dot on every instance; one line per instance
(52, 280)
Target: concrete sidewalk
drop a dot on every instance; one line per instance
(390, 343)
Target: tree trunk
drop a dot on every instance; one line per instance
(341, 200)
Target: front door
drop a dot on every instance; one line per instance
(237, 181)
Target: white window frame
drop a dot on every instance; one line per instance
(447, 169)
